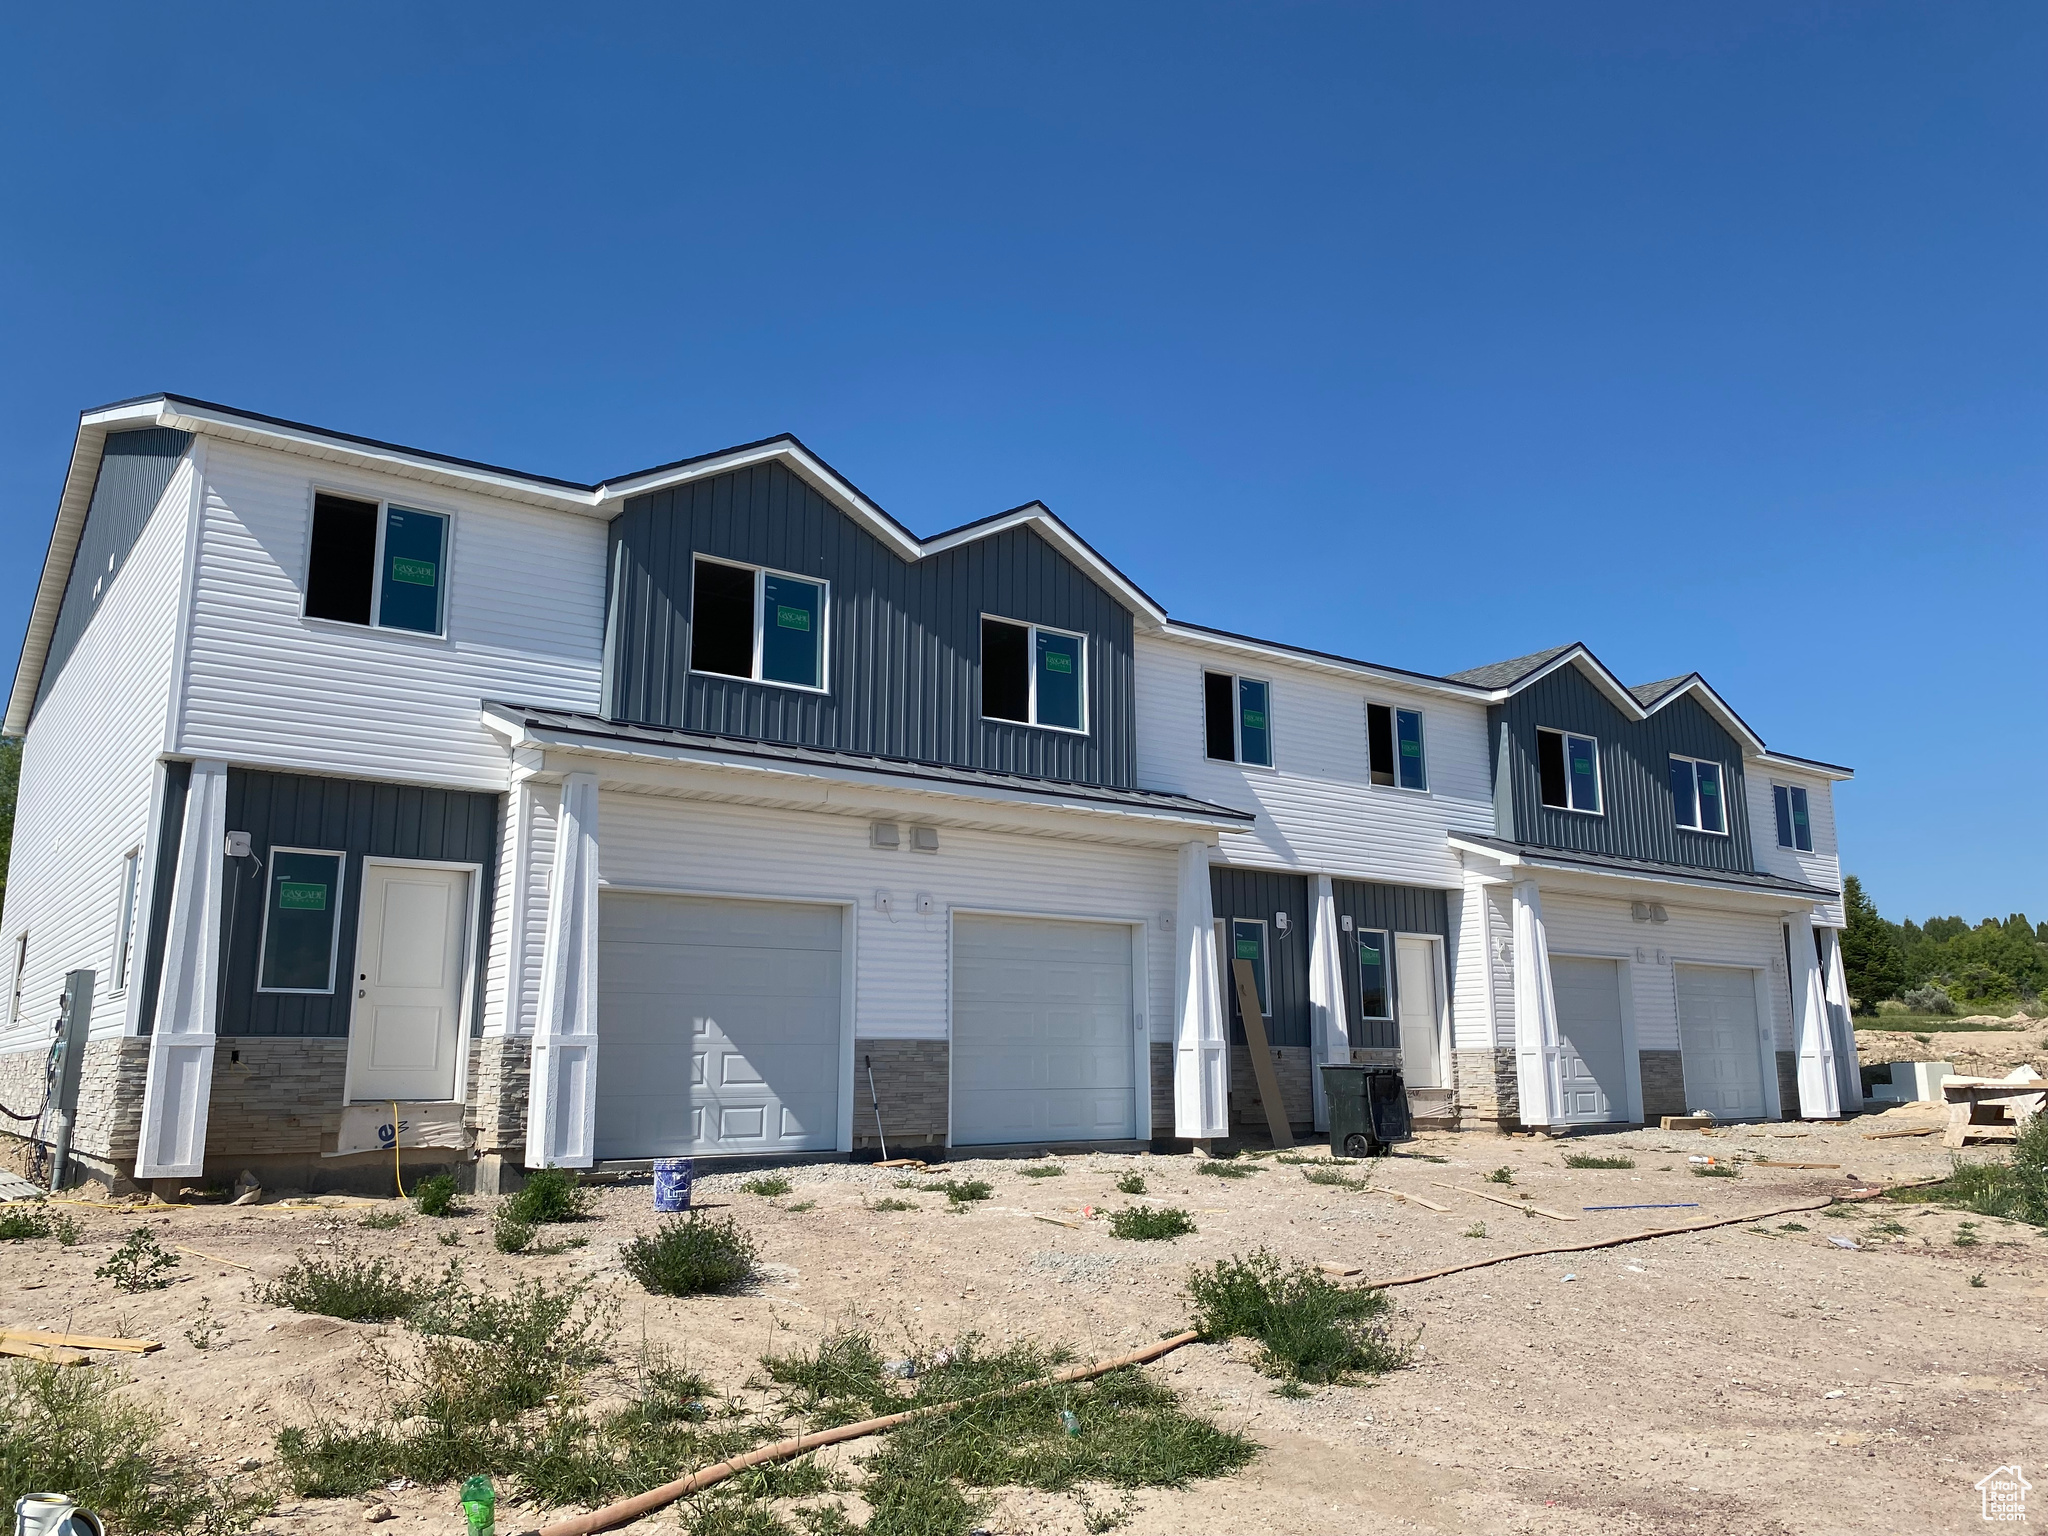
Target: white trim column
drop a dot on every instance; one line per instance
(178, 1088)
(562, 1102)
(1536, 1036)
(1820, 1092)
(1329, 1038)
(1836, 984)
(1201, 1048)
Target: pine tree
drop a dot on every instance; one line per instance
(1873, 961)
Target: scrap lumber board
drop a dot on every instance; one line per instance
(1261, 1054)
(1402, 1194)
(1513, 1205)
(77, 1340)
(1765, 1162)
(44, 1352)
(1925, 1130)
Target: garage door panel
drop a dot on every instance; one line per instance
(1719, 1041)
(1042, 1020)
(1593, 1074)
(720, 1024)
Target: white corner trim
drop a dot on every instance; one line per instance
(178, 1088)
(1201, 1055)
(562, 1091)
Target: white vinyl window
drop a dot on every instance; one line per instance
(1237, 719)
(1393, 740)
(1795, 825)
(1698, 803)
(1568, 771)
(765, 626)
(301, 920)
(372, 563)
(124, 925)
(1034, 675)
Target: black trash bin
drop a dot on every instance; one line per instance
(1368, 1110)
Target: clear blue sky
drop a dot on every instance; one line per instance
(1711, 334)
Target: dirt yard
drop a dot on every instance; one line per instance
(1976, 1053)
(1757, 1379)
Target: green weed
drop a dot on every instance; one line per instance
(2016, 1190)
(1977, 1282)
(689, 1256)
(1791, 1226)
(960, 1191)
(383, 1221)
(139, 1264)
(890, 1203)
(1312, 1330)
(1336, 1177)
(1715, 1170)
(1131, 1184)
(1588, 1160)
(1043, 1171)
(509, 1234)
(1501, 1175)
(769, 1185)
(35, 1219)
(75, 1431)
(348, 1284)
(1966, 1235)
(435, 1196)
(1145, 1224)
(1477, 1229)
(1215, 1169)
(550, 1195)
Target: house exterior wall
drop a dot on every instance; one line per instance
(1823, 866)
(1636, 820)
(267, 687)
(1317, 807)
(1397, 909)
(358, 818)
(89, 774)
(904, 639)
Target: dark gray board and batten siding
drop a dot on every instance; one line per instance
(1394, 909)
(1636, 821)
(903, 638)
(135, 468)
(352, 816)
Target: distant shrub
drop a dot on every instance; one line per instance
(1147, 1224)
(509, 1234)
(435, 1196)
(1589, 1160)
(1043, 1171)
(1929, 999)
(139, 1264)
(551, 1194)
(961, 1191)
(1892, 1005)
(689, 1255)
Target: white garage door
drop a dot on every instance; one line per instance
(1043, 1048)
(718, 1026)
(1717, 1031)
(1588, 994)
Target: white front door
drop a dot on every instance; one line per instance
(405, 1032)
(1044, 1047)
(1420, 1011)
(721, 1022)
(1591, 1071)
(1717, 1034)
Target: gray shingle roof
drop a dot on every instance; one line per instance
(626, 734)
(1500, 674)
(1649, 693)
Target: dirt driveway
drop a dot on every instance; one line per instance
(1757, 1379)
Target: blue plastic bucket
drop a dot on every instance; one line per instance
(672, 1183)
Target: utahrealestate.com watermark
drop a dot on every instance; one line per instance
(2005, 1493)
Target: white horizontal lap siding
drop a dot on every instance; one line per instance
(1317, 806)
(88, 769)
(901, 959)
(1823, 866)
(1472, 1021)
(1692, 936)
(525, 618)
(545, 814)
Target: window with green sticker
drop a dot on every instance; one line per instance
(1034, 675)
(1696, 800)
(1248, 942)
(301, 919)
(1795, 825)
(1568, 770)
(1374, 1000)
(759, 625)
(1254, 728)
(410, 595)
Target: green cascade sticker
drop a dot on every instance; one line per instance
(1058, 661)
(1255, 719)
(1708, 786)
(1369, 954)
(1411, 749)
(1247, 949)
(301, 896)
(417, 573)
(792, 618)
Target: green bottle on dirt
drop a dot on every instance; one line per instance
(480, 1506)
